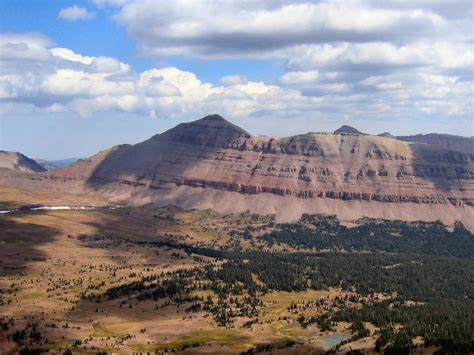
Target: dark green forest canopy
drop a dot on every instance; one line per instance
(390, 236)
(421, 262)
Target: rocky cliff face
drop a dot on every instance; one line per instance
(211, 163)
(213, 153)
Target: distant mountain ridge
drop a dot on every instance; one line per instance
(19, 162)
(56, 164)
(448, 141)
(212, 163)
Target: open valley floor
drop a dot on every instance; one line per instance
(158, 279)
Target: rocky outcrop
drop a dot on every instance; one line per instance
(344, 129)
(305, 194)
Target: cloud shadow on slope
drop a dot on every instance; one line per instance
(20, 242)
(446, 169)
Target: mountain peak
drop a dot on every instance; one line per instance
(213, 121)
(213, 118)
(347, 129)
(387, 135)
(211, 130)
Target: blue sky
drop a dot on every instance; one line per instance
(102, 36)
(99, 36)
(80, 76)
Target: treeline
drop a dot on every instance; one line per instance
(445, 323)
(420, 262)
(411, 277)
(416, 278)
(326, 232)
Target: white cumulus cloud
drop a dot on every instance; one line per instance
(74, 13)
(62, 80)
(228, 29)
(233, 80)
(347, 80)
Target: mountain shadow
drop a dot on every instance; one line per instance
(165, 157)
(20, 242)
(212, 152)
(447, 141)
(449, 171)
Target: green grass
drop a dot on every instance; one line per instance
(30, 296)
(101, 332)
(296, 333)
(277, 302)
(232, 338)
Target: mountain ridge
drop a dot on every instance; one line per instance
(20, 162)
(448, 141)
(215, 164)
(152, 162)
(56, 164)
